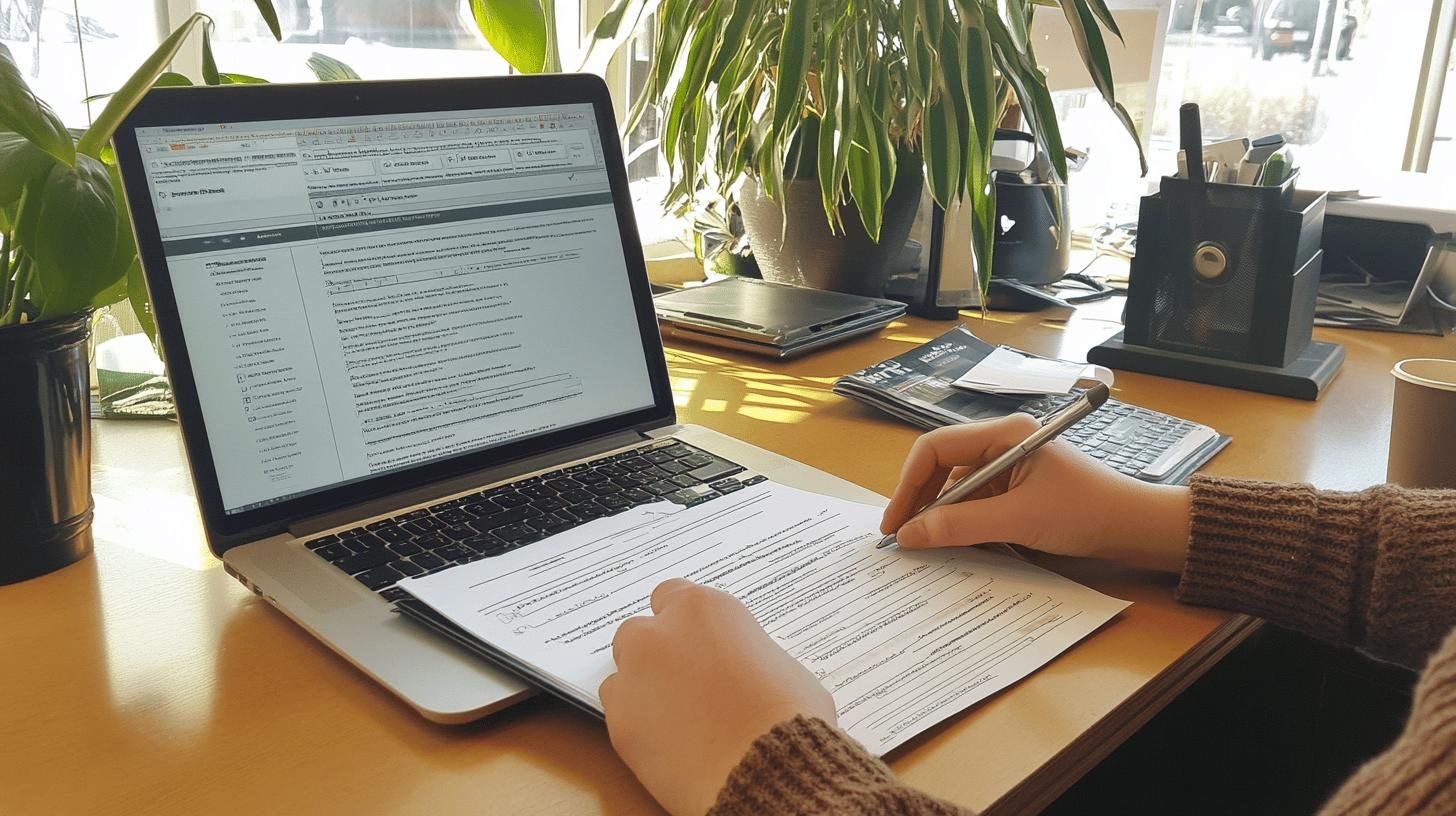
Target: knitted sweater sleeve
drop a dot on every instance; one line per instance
(807, 767)
(1375, 569)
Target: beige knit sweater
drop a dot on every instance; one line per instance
(1375, 569)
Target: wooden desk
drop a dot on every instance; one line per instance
(146, 680)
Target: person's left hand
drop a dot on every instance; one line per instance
(696, 684)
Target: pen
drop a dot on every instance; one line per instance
(1090, 401)
(1190, 133)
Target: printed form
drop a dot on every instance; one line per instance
(902, 639)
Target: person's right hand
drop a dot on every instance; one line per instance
(1058, 500)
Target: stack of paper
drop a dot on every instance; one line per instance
(901, 639)
(1366, 302)
(1007, 371)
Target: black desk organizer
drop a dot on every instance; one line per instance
(1222, 290)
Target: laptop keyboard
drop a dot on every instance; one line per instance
(501, 519)
(1129, 439)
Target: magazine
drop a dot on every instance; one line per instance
(917, 388)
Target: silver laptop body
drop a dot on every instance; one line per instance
(382, 298)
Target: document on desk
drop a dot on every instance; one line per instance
(902, 639)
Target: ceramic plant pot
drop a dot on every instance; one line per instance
(793, 244)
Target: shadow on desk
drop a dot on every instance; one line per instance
(1275, 728)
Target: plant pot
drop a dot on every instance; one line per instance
(45, 446)
(806, 253)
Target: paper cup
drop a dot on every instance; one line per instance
(1423, 424)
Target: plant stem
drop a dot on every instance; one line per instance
(4, 269)
(17, 295)
(552, 63)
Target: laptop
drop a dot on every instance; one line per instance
(409, 327)
(771, 319)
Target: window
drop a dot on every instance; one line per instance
(68, 50)
(1339, 78)
(1443, 151)
(1442, 159)
(382, 39)
(378, 39)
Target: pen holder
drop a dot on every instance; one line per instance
(1222, 289)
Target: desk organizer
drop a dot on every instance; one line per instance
(1222, 289)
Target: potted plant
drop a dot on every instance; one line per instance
(829, 113)
(719, 239)
(66, 248)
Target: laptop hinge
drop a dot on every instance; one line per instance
(460, 484)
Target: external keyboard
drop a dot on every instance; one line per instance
(501, 519)
(1129, 439)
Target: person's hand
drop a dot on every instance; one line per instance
(696, 684)
(1057, 500)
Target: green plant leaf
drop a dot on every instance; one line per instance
(1031, 91)
(1080, 19)
(794, 47)
(134, 88)
(328, 69)
(23, 113)
(942, 148)
(730, 43)
(209, 62)
(615, 28)
(240, 79)
(848, 105)
(830, 82)
(982, 95)
(952, 85)
(270, 16)
(917, 83)
(22, 162)
(515, 29)
(1088, 38)
(932, 16)
(115, 293)
(168, 79)
(1126, 119)
(983, 233)
(865, 180)
(71, 235)
(124, 251)
(1104, 14)
(689, 88)
(672, 34)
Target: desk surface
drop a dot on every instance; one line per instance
(146, 679)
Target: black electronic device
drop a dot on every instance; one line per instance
(1006, 295)
(939, 275)
(1222, 289)
(1033, 244)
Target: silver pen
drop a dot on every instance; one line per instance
(1089, 401)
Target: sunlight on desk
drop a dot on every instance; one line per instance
(702, 383)
(180, 683)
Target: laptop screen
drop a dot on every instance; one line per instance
(367, 294)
